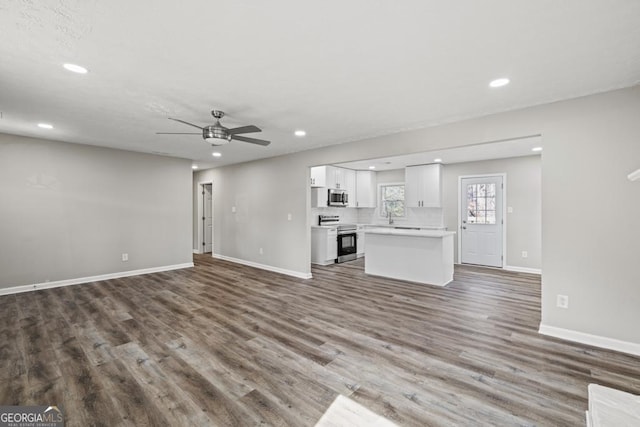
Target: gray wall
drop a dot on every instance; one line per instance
(589, 209)
(263, 193)
(69, 211)
(523, 226)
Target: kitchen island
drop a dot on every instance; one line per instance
(423, 256)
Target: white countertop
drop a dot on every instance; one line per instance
(412, 233)
(400, 225)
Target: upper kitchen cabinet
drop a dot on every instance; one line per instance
(319, 175)
(349, 184)
(333, 177)
(366, 189)
(423, 186)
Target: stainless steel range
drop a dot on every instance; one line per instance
(347, 237)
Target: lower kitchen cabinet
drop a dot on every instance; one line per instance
(360, 241)
(324, 245)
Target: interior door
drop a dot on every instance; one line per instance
(481, 225)
(207, 215)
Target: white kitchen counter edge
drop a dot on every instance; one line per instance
(404, 226)
(411, 233)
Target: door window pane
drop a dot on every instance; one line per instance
(481, 203)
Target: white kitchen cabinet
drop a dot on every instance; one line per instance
(319, 197)
(338, 177)
(423, 186)
(319, 176)
(360, 241)
(324, 245)
(366, 196)
(328, 176)
(349, 181)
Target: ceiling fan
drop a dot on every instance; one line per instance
(217, 134)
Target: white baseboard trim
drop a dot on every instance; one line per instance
(80, 280)
(594, 340)
(197, 251)
(523, 269)
(297, 274)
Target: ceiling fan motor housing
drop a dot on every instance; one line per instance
(216, 134)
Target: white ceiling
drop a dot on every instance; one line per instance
(340, 70)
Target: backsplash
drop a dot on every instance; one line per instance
(429, 217)
(349, 215)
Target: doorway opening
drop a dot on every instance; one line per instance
(205, 218)
(482, 236)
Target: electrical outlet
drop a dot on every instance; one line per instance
(125, 257)
(289, 216)
(233, 209)
(509, 209)
(261, 251)
(525, 254)
(562, 301)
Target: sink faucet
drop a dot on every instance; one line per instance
(390, 218)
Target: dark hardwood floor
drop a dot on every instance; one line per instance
(224, 344)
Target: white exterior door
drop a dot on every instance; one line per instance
(207, 215)
(481, 220)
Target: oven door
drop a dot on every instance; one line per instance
(347, 246)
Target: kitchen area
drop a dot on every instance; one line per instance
(392, 218)
(413, 216)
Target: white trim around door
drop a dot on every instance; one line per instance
(200, 203)
(502, 175)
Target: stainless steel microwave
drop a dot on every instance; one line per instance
(337, 198)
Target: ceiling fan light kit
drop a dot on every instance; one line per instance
(217, 134)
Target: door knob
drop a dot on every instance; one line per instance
(463, 227)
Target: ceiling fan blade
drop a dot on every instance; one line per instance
(186, 123)
(251, 140)
(244, 129)
(178, 133)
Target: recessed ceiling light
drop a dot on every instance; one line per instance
(499, 82)
(437, 160)
(372, 167)
(536, 149)
(45, 126)
(216, 154)
(300, 133)
(194, 167)
(75, 68)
